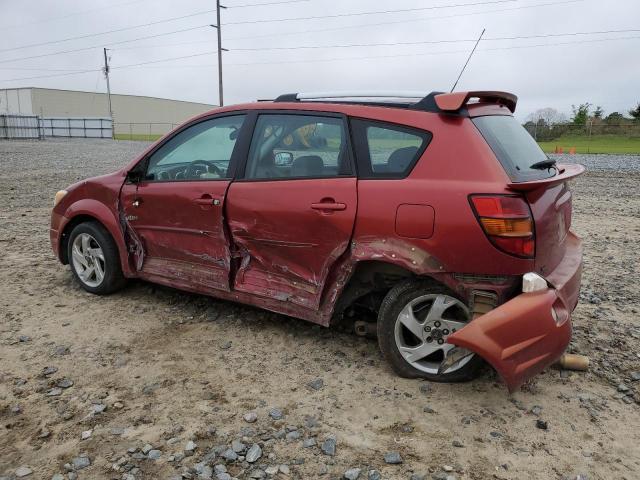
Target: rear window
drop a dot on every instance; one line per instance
(515, 149)
(386, 150)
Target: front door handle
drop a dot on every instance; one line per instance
(206, 199)
(329, 206)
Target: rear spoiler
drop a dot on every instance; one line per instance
(565, 172)
(451, 102)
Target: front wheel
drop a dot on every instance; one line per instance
(414, 322)
(94, 260)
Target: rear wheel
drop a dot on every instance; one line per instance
(414, 322)
(94, 260)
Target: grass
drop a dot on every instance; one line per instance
(595, 144)
(137, 136)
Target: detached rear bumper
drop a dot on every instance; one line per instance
(531, 331)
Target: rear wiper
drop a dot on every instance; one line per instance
(544, 164)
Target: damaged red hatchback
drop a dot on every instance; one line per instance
(436, 222)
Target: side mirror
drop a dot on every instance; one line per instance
(134, 176)
(283, 159)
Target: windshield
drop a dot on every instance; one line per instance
(515, 149)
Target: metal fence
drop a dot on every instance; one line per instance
(35, 127)
(19, 126)
(76, 127)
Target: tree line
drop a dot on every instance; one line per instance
(548, 123)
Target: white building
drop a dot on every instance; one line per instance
(132, 114)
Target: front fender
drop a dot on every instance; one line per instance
(103, 214)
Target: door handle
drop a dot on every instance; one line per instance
(329, 206)
(206, 199)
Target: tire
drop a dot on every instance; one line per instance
(415, 299)
(94, 259)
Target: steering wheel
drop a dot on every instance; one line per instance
(209, 167)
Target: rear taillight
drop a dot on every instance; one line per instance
(507, 222)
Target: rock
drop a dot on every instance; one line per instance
(428, 410)
(635, 376)
(154, 454)
(57, 476)
(190, 447)
(229, 455)
(309, 442)
(374, 475)
(23, 471)
(352, 474)
(254, 453)
(86, 434)
(271, 471)
(536, 410)
(276, 414)
(81, 462)
(392, 458)
(316, 384)
(457, 444)
(223, 476)
(24, 338)
(328, 447)
(417, 476)
(48, 371)
(98, 408)
(293, 436)
(257, 473)
(250, 417)
(54, 392)
(541, 424)
(622, 388)
(225, 346)
(238, 446)
(425, 388)
(284, 469)
(147, 448)
(64, 383)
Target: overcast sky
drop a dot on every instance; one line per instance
(556, 71)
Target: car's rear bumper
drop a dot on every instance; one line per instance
(531, 331)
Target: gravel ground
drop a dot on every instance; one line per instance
(155, 383)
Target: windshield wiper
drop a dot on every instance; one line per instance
(544, 164)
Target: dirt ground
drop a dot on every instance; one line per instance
(149, 369)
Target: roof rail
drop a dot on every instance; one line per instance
(436, 102)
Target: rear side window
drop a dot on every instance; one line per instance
(385, 150)
(515, 149)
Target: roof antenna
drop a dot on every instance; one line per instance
(465, 63)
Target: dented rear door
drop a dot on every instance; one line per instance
(291, 219)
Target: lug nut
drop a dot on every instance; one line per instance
(436, 323)
(445, 331)
(429, 339)
(427, 328)
(440, 341)
(453, 330)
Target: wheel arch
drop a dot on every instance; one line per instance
(88, 210)
(375, 277)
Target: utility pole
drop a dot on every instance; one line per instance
(106, 74)
(220, 50)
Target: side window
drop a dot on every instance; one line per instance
(386, 150)
(201, 152)
(298, 146)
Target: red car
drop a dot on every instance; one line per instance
(437, 219)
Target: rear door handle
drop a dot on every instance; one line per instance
(331, 206)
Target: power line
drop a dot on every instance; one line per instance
(368, 57)
(429, 42)
(395, 22)
(80, 37)
(102, 45)
(264, 4)
(378, 12)
(48, 20)
(326, 59)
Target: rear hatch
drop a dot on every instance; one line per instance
(542, 182)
